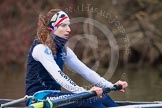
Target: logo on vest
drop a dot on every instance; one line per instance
(63, 56)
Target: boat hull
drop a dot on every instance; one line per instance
(122, 104)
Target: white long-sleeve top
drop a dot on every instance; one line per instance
(44, 55)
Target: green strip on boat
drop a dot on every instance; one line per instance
(49, 104)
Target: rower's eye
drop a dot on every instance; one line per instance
(63, 25)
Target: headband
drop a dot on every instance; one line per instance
(57, 19)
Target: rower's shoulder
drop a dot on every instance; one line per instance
(41, 47)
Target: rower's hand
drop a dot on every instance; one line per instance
(98, 90)
(123, 83)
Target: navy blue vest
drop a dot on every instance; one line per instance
(37, 77)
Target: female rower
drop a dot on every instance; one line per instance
(48, 54)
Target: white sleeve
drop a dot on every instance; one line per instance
(44, 55)
(73, 62)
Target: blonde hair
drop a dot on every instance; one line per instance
(43, 31)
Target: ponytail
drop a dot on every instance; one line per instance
(43, 31)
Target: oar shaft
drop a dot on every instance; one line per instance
(75, 97)
(15, 101)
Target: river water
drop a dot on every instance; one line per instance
(144, 84)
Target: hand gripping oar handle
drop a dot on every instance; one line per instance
(72, 98)
(84, 95)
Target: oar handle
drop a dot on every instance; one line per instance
(114, 88)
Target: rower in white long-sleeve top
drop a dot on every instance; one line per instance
(48, 54)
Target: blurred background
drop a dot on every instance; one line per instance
(136, 26)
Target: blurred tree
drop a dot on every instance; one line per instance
(141, 18)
